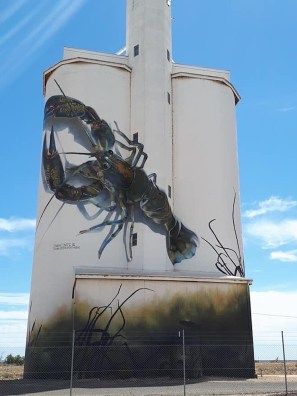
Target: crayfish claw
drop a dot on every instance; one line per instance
(181, 243)
(52, 164)
(63, 106)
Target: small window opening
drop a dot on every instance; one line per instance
(136, 50)
(169, 191)
(135, 137)
(168, 55)
(168, 98)
(134, 239)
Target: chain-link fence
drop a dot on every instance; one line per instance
(80, 363)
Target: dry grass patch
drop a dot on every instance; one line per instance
(275, 368)
(11, 372)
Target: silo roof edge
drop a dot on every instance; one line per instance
(63, 62)
(205, 76)
(92, 273)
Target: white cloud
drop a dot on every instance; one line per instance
(289, 256)
(273, 234)
(20, 243)
(13, 336)
(273, 312)
(14, 315)
(274, 302)
(13, 323)
(8, 246)
(17, 224)
(280, 305)
(272, 204)
(14, 298)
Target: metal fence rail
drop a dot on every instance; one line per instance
(78, 364)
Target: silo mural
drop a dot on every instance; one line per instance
(120, 179)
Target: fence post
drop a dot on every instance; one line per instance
(184, 361)
(72, 361)
(285, 366)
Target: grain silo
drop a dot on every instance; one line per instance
(139, 233)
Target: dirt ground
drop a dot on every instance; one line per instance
(9, 371)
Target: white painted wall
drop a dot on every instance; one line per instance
(149, 26)
(99, 291)
(196, 155)
(205, 164)
(107, 90)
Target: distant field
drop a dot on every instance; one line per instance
(9, 371)
(276, 368)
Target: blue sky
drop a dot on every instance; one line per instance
(254, 39)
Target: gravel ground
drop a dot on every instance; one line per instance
(271, 382)
(272, 385)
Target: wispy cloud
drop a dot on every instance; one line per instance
(273, 234)
(14, 315)
(267, 225)
(21, 239)
(272, 204)
(22, 23)
(285, 109)
(10, 11)
(17, 224)
(13, 329)
(10, 247)
(13, 322)
(14, 299)
(43, 31)
(289, 256)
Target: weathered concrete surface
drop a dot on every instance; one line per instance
(272, 385)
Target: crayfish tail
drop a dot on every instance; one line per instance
(181, 243)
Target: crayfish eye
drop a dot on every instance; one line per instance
(106, 166)
(110, 152)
